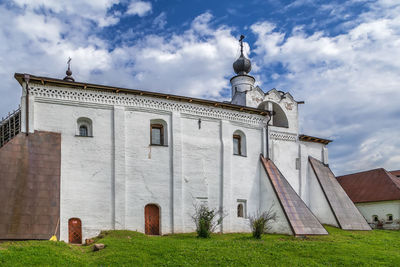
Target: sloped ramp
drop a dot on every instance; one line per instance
(300, 218)
(346, 213)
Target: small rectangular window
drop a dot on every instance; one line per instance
(242, 208)
(237, 145)
(157, 135)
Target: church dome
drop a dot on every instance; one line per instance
(242, 65)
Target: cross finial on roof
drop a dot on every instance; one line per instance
(69, 72)
(241, 44)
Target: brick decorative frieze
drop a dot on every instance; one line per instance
(283, 136)
(82, 96)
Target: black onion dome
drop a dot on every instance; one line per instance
(242, 65)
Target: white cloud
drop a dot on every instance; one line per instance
(140, 8)
(197, 62)
(160, 21)
(96, 11)
(194, 63)
(350, 83)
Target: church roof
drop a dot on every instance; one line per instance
(308, 138)
(395, 173)
(79, 85)
(370, 186)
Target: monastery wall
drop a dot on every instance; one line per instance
(109, 178)
(317, 201)
(86, 165)
(381, 209)
(306, 177)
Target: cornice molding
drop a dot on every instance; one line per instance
(93, 97)
(283, 136)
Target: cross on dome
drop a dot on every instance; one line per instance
(69, 72)
(242, 65)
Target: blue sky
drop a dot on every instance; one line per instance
(340, 57)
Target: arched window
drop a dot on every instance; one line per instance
(240, 210)
(158, 133)
(84, 127)
(375, 218)
(239, 143)
(279, 118)
(389, 217)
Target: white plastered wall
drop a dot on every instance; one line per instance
(86, 165)
(107, 179)
(318, 203)
(381, 209)
(283, 154)
(148, 171)
(245, 181)
(201, 166)
(269, 199)
(307, 149)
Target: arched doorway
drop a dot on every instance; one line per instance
(75, 231)
(152, 219)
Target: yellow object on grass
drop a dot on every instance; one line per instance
(54, 237)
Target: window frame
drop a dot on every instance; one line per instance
(84, 122)
(239, 144)
(375, 219)
(387, 218)
(243, 203)
(157, 126)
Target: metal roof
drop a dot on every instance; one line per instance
(395, 173)
(308, 138)
(300, 218)
(370, 186)
(346, 214)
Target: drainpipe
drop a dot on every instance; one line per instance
(26, 78)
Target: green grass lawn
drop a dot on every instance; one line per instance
(350, 248)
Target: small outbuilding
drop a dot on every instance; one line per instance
(376, 193)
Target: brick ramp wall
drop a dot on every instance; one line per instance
(30, 186)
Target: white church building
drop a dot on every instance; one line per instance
(91, 157)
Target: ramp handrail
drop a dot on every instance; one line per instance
(10, 126)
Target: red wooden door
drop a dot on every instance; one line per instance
(152, 219)
(75, 231)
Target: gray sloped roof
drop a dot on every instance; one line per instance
(301, 219)
(346, 213)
